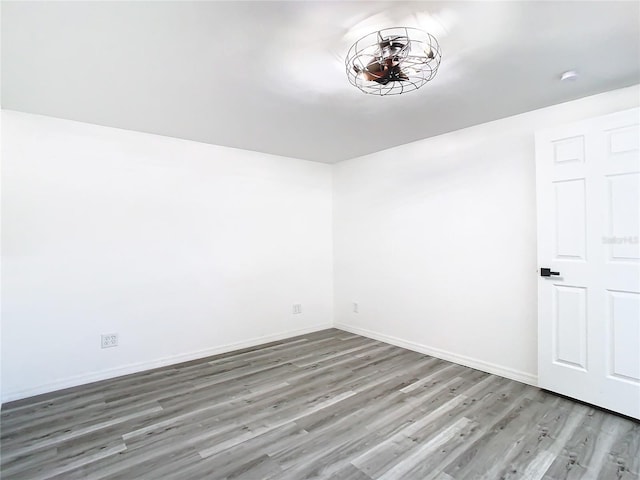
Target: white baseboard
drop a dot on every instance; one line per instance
(83, 379)
(506, 372)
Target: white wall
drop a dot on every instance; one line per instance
(183, 249)
(188, 249)
(436, 240)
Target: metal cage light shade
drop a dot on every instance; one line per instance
(392, 61)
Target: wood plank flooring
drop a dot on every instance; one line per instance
(329, 405)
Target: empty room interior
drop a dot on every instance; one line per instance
(341, 240)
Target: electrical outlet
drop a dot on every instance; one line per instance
(297, 308)
(109, 340)
(356, 307)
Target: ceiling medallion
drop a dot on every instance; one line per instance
(392, 61)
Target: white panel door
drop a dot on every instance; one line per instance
(588, 188)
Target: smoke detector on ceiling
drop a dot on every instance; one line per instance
(569, 75)
(392, 61)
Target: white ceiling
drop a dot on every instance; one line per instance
(269, 76)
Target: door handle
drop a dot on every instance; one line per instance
(546, 272)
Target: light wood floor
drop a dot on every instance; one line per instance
(325, 405)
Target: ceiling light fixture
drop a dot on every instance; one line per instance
(392, 61)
